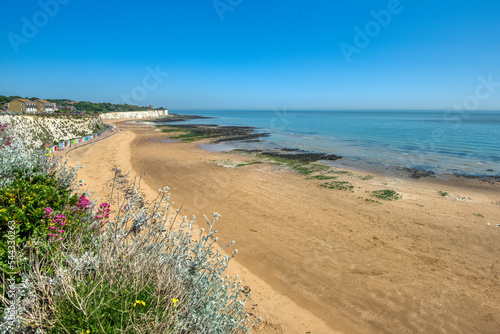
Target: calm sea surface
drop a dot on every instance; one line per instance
(442, 141)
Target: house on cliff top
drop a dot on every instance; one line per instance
(26, 106)
(45, 106)
(22, 106)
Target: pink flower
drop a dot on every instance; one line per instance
(83, 204)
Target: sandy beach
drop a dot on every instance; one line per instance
(325, 260)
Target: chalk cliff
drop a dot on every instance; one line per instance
(135, 114)
(36, 130)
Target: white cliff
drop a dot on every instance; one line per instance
(135, 114)
(37, 130)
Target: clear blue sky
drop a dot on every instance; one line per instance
(260, 55)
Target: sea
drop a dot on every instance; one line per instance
(445, 142)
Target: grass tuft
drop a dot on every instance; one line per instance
(386, 194)
(339, 185)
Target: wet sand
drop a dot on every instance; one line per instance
(327, 260)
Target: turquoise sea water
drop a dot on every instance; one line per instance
(442, 141)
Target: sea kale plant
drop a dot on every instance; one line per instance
(134, 267)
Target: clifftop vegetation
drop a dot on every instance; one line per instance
(86, 106)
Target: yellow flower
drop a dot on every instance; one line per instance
(139, 302)
(175, 301)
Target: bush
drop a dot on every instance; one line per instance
(142, 271)
(32, 203)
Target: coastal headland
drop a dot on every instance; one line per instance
(343, 251)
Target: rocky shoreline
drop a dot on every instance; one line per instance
(485, 178)
(177, 118)
(225, 134)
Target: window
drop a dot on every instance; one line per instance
(22, 109)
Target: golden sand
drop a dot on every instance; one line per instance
(327, 260)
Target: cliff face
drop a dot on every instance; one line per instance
(135, 114)
(36, 130)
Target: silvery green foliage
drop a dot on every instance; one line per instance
(147, 244)
(17, 157)
(84, 263)
(212, 302)
(12, 320)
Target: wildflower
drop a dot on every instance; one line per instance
(175, 301)
(83, 204)
(139, 302)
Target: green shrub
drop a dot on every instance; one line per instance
(26, 202)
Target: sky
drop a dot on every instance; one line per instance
(255, 54)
